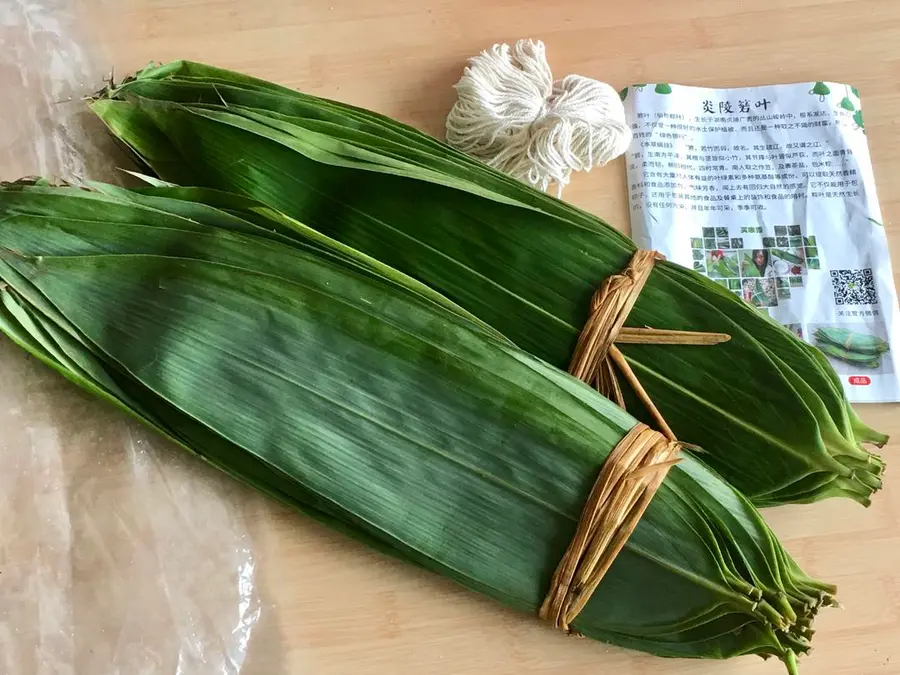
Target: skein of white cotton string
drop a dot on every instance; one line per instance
(512, 116)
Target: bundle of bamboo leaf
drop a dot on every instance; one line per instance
(858, 349)
(362, 397)
(767, 408)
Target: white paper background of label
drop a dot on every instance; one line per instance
(770, 191)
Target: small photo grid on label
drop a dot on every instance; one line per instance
(761, 276)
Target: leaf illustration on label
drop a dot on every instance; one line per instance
(821, 90)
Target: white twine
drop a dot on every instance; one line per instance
(512, 116)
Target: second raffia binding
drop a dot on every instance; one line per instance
(638, 465)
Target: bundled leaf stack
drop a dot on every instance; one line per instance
(358, 395)
(857, 349)
(767, 408)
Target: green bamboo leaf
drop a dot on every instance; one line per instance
(787, 256)
(852, 340)
(493, 246)
(329, 376)
(855, 358)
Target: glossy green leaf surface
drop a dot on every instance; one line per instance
(349, 391)
(769, 412)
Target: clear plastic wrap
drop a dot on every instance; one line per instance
(120, 553)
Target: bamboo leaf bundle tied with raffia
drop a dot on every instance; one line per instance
(852, 341)
(768, 409)
(360, 396)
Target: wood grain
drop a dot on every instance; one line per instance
(331, 607)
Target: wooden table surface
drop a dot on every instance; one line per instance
(114, 545)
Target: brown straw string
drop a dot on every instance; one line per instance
(596, 356)
(630, 477)
(638, 464)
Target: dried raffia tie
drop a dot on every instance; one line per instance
(630, 477)
(596, 353)
(639, 463)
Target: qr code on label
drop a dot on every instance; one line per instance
(854, 287)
